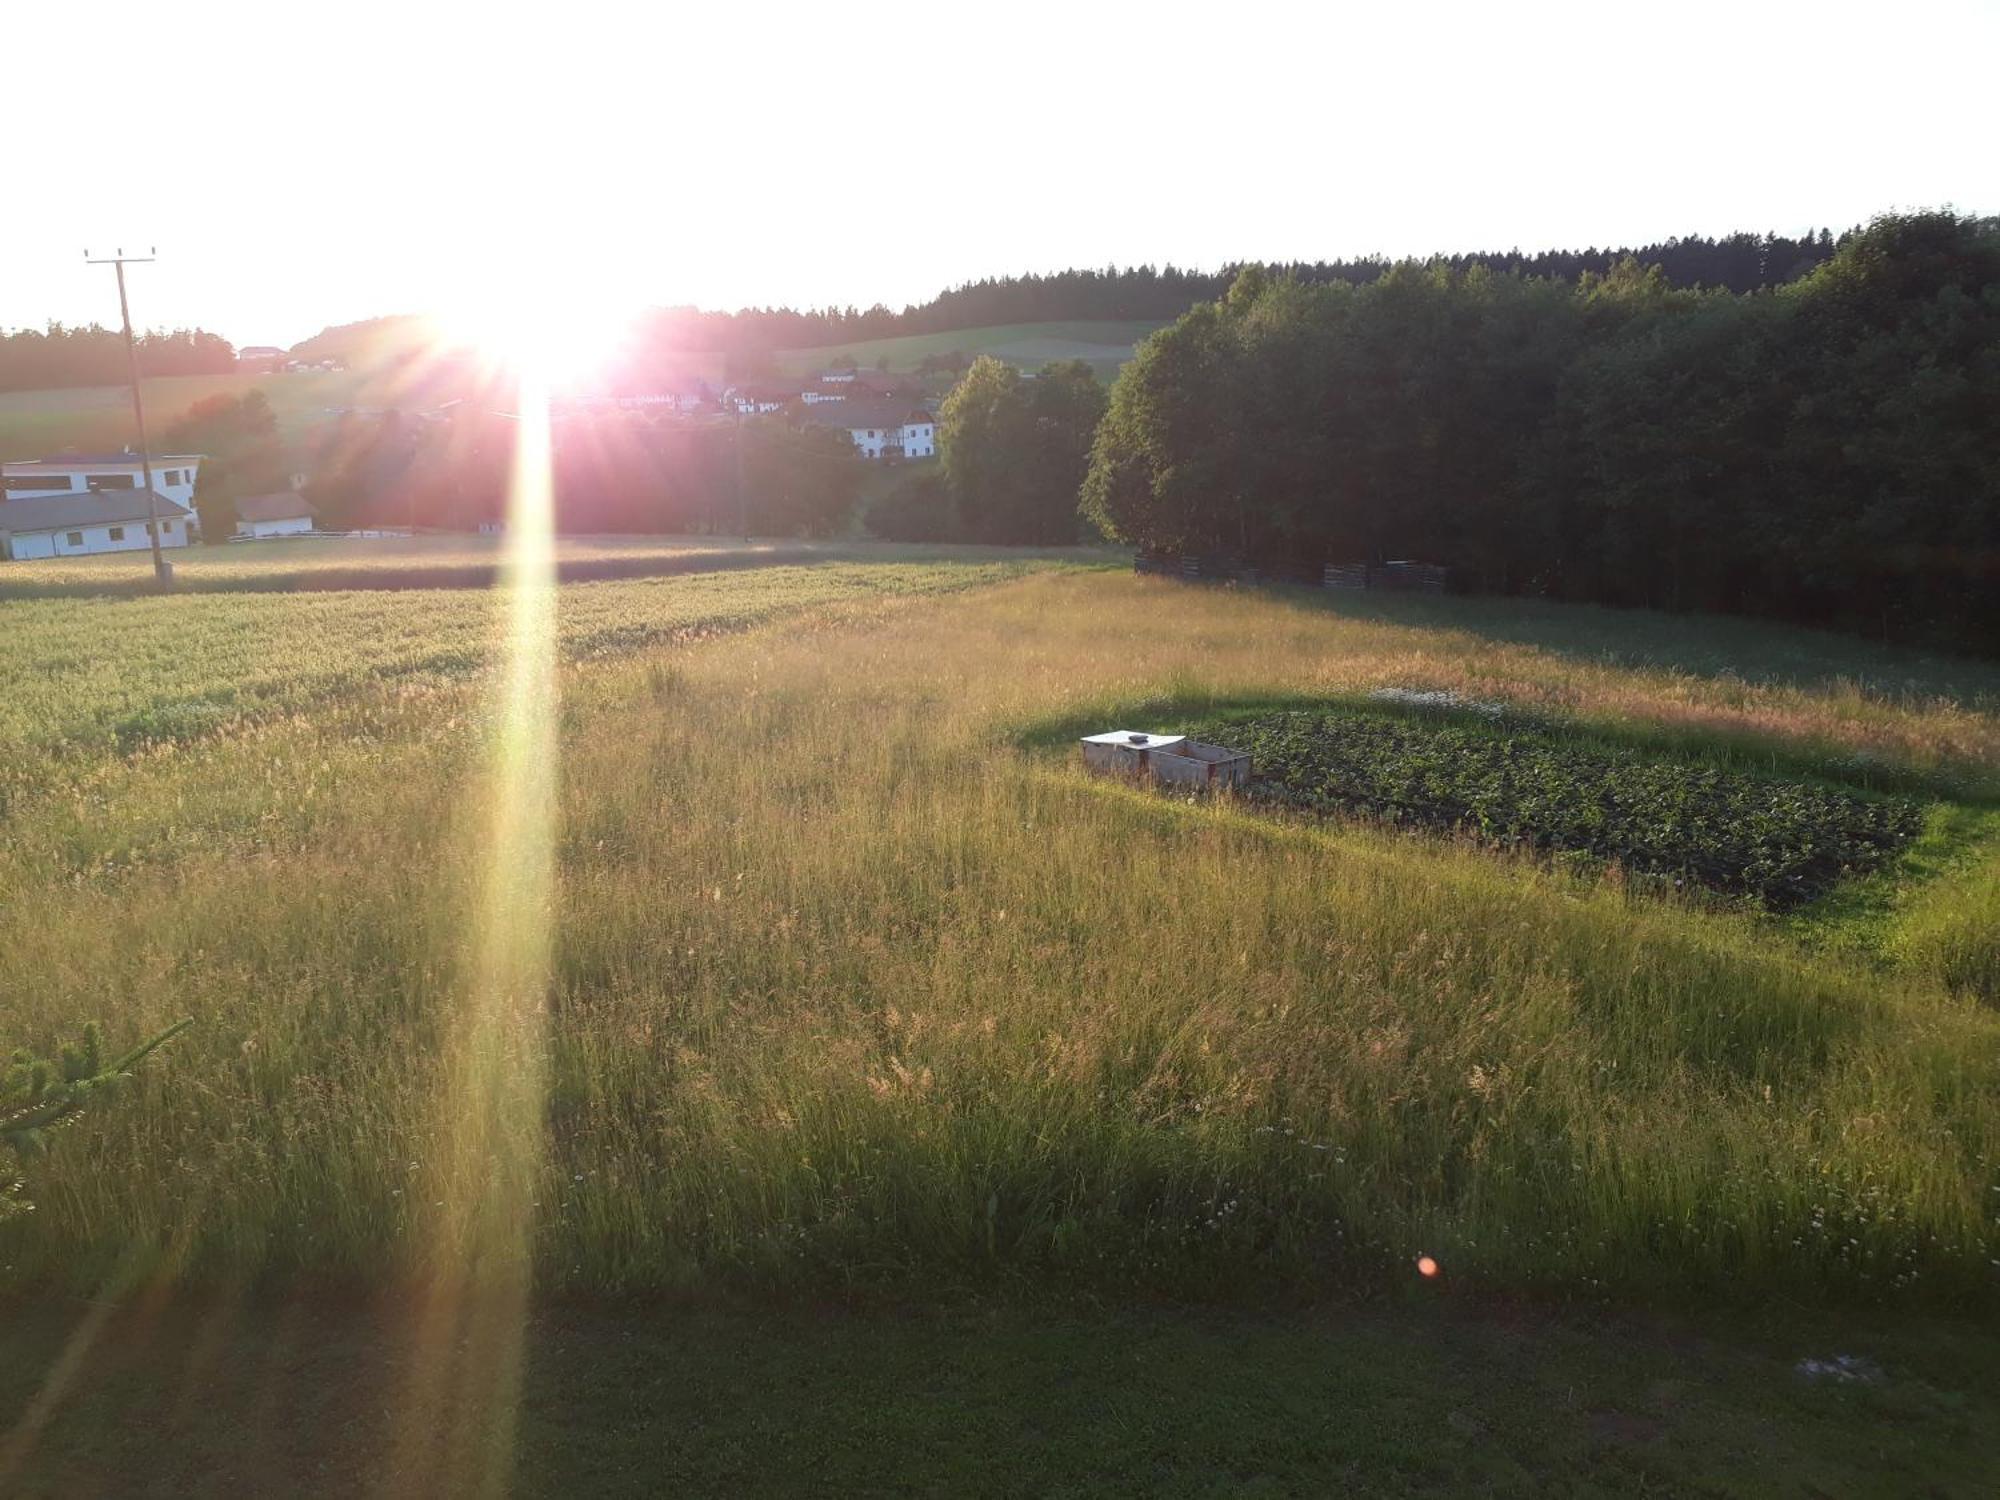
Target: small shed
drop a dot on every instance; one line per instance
(1171, 758)
(287, 513)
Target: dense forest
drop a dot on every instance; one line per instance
(1827, 450)
(55, 357)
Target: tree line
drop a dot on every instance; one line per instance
(54, 357)
(1735, 262)
(1827, 450)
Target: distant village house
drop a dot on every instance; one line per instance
(881, 427)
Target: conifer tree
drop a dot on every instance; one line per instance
(40, 1095)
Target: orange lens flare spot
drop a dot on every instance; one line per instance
(1426, 1266)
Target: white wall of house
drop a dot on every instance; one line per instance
(285, 526)
(918, 439)
(83, 541)
(175, 480)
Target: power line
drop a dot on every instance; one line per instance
(163, 572)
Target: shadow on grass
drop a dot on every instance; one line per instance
(251, 1395)
(1758, 652)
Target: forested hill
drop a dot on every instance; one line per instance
(1737, 263)
(56, 357)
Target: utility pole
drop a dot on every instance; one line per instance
(742, 494)
(163, 571)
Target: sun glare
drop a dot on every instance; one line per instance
(540, 320)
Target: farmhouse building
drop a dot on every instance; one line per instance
(78, 523)
(261, 357)
(881, 427)
(87, 502)
(68, 473)
(286, 513)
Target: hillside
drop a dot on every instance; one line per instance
(34, 424)
(1104, 345)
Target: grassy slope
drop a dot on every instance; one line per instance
(234, 1396)
(1105, 344)
(34, 424)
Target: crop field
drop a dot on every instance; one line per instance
(854, 979)
(1105, 345)
(1775, 839)
(317, 564)
(90, 677)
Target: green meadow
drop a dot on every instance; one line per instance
(853, 976)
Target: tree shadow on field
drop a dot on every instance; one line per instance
(298, 1394)
(1756, 652)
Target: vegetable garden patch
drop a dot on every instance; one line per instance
(1781, 842)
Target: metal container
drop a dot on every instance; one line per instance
(1172, 759)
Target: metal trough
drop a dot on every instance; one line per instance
(1170, 758)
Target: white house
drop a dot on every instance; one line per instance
(78, 523)
(286, 513)
(89, 502)
(173, 475)
(881, 427)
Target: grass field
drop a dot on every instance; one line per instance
(1105, 345)
(849, 984)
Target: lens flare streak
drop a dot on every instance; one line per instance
(465, 1373)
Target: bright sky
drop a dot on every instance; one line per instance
(305, 164)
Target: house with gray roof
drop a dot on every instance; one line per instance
(79, 523)
(881, 426)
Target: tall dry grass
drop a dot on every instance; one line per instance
(848, 986)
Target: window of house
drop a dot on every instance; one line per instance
(166, 528)
(112, 481)
(118, 533)
(73, 538)
(172, 476)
